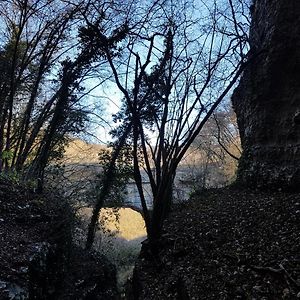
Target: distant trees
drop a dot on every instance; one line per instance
(212, 159)
(176, 68)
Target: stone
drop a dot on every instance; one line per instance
(267, 99)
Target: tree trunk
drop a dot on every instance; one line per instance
(267, 100)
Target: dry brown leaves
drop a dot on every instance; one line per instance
(228, 244)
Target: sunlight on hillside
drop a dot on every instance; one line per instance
(80, 152)
(125, 224)
(120, 238)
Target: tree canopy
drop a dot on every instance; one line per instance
(173, 62)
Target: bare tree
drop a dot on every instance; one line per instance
(178, 65)
(212, 159)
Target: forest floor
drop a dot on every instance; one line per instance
(227, 244)
(24, 230)
(222, 244)
(38, 259)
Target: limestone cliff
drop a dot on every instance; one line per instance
(267, 100)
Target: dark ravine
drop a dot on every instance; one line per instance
(38, 259)
(267, 100)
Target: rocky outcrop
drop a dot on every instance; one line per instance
(267, 100)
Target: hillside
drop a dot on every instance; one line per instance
(38, 258)
(34, 236)
(226, 244)
(81, 152)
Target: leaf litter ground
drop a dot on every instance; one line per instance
(227, 244)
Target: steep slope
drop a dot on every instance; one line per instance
(35, 236)
(226, 244)
(38, 259)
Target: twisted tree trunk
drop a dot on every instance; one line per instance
(267, 100)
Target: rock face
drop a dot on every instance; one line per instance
(267, 100)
